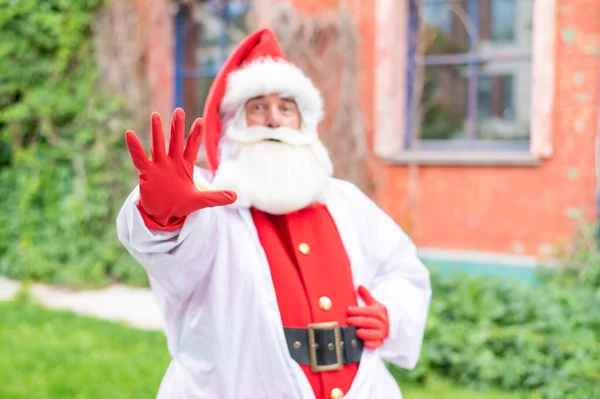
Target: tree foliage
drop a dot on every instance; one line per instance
(64, 170)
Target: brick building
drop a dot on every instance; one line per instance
(497, 156)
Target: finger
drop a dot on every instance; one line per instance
(158, 138)
(369, 335)
(366, 295)
(372, 345)
(366, 311)
(176, 136)
(359, 311)
(193, 141)
(207, 199)
(365, 322)
(136, 150)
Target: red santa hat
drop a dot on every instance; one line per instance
(255, 68)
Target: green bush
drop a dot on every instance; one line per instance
(64, 170)
(580, 260)
(485, 331)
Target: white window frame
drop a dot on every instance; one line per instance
(391, 61)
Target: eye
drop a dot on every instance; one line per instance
(287, 107)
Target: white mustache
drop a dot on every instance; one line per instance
(258, 133)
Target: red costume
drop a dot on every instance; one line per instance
(312, 279)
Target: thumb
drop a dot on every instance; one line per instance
(207, 199)
(366, 295)
(372, 345)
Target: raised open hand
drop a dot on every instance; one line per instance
(167, 189)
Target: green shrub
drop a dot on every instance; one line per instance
(580, 260)
(64, 170)
(485, 331)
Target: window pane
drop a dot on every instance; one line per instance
(443, 105)
(481, 96)
(503, 101)
(202, 33)
(445, 28)
(212, 29)
(494, 97)
(237, 25)
(195, 91)
(484, 97)
(504, 19)
(506, 23)
(502, 106)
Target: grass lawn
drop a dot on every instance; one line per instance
(444, 389)
(50, 354)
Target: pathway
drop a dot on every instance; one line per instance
(134, 306)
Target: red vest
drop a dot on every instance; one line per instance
(308, 261)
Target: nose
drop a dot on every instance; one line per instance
(273, 118)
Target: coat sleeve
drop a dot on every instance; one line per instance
(175, 261)
(400, 282)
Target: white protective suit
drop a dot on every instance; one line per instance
(222, 323)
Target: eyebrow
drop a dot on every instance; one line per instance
(286, 99)
(256, 98)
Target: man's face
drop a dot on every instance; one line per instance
(272, 111)
(274, 164)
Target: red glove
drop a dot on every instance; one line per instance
(167, 189)
(371, 320)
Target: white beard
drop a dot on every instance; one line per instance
(274, 177)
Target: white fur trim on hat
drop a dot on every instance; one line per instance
(268, 76)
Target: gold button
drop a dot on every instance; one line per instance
(304, 248)
(336, 393)
(325, 303)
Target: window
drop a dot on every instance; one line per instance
(502, 19)
(469, 74)
(205, 33)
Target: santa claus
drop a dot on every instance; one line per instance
(275, 280)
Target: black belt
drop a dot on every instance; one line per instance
(324, 346)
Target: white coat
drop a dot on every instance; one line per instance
(222, 323)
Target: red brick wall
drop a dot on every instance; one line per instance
(516, 209)
(521, 210)
(363, 12)
(498, 209)
(157, 18)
